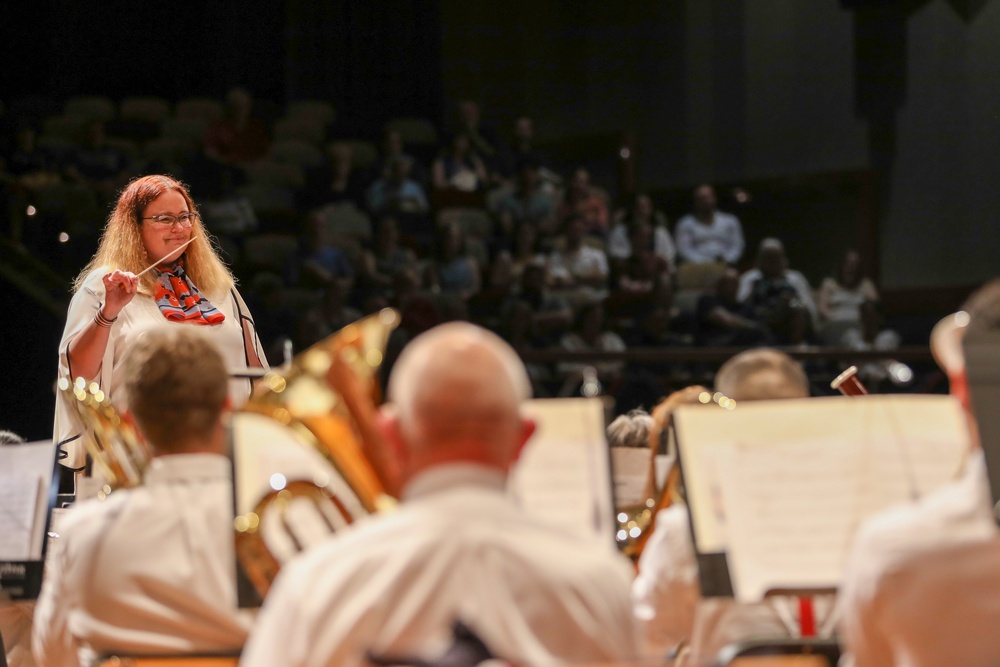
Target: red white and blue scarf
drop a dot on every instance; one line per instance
(180, 301)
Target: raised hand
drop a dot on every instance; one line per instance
(120, 287)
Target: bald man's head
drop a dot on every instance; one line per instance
(455, 394)
(762, 374)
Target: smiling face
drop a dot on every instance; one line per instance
(159, 240)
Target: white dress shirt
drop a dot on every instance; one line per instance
(140, 315)
(148, 570)
(922, 586)
(456, 549)
(671, 612)
(699, 243)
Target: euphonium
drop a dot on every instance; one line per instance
(118, 453)
(325, 401)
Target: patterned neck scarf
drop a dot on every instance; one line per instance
(180, 301)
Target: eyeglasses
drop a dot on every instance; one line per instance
(169, 219)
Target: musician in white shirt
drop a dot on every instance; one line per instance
(922, 584)
(152, 569)
(667, 601)
(458, 548)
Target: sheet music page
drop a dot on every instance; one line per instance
(24, 498)
(795, 478)
(563, 476)
(19, 494)
(630, 472)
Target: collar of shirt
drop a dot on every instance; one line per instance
(187, 467)
(447, 477)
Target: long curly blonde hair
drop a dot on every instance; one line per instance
(121, 245)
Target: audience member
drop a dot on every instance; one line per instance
(97, 164)
(453, 270)
(330, 316)
(583, 199)
(781, 298)
(525, 248)
(152, 569)
(707, 234)
(522, 147)
(319, 261)
(385, 258)
(397, 193)
(666, 595)
(591, 334)
(642, 211)
(483, 139)
(580, 269)
(335, 182)
(722, 320)
(527, 202)
(848, 307)
(239, 137)
(534, 316)
(458, 168)
(461, 550)
(394, 147)
(921, 582)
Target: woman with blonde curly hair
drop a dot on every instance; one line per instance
(154, 224)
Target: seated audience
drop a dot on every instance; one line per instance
(393, 147)
(641, 213)
(97, 164)
(483, 139)
(457, 549)
(583, 199)
(722, 320)
(385, 258)
(458, 168)
(666, 594)
(397, 194)
(240, 136)
(707, 234)
(152, 569)
(335, 182)
(330, 316)
(848, 307)
(528, 202)
(590, 333)
(525, 248)
(577, 267)
(536, 317)
(453, 271)
(319, 262)
(921, 584)
(780, 297)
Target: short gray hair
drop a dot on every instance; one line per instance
(630, 429)
(762, 374)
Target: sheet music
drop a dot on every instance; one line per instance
(630, 468)
(782, 486)
(563, 476)
(19, 497)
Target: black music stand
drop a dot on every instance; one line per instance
(21, 577)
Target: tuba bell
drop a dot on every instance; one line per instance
(119, 455)
(324, 403)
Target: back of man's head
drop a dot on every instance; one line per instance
(762, 374)
(177, 387)
(456, 392)
(983, 308)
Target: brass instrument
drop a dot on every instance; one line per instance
(116, 449)
(636, 523)
(325, 401)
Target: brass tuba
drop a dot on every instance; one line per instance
(120, 456)
(325, 401)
